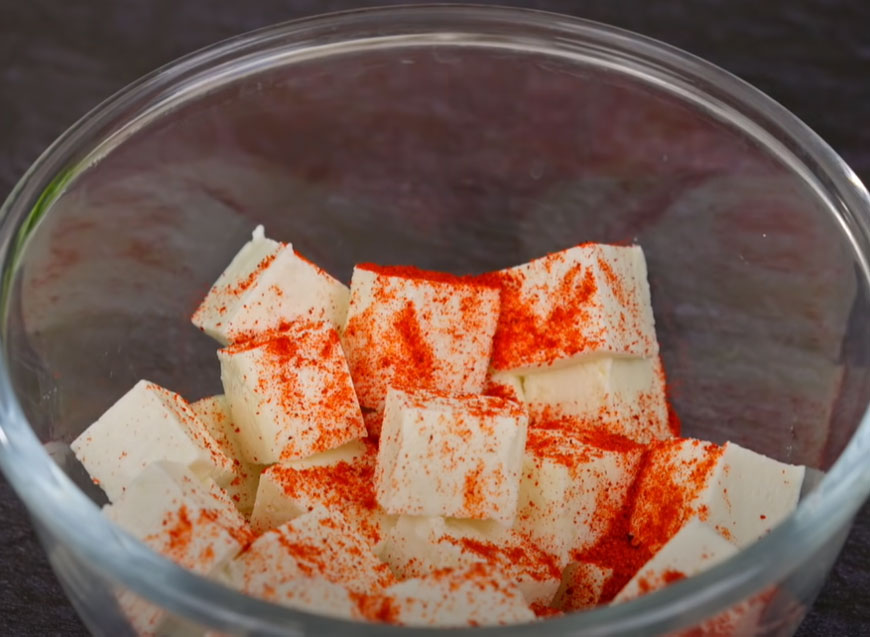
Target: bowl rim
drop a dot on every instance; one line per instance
(59, 507)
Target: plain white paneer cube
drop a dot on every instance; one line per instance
(191, 522)
(214, 413)
(146, 425)
(573, 487)
(621, 395)
(739, 493)
(290, 393)
(265, 285)
(457, 456)
(589, 299)
(695, 548)
(412, 329)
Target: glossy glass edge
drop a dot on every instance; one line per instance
(60, 506)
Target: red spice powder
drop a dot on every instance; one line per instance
(527, 557)
(474, 490)
(181, 532)
(239, 288)
(377, 608)
(542, 610)
(411, 272)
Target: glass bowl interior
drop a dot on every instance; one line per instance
(462, 140)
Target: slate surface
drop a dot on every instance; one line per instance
(57, 60)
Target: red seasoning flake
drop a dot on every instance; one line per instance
(414, 329)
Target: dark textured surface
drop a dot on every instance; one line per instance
(59, 60)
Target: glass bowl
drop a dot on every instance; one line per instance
(463, 139)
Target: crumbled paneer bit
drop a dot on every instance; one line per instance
(268, 284)
(412, 329)
(457, 456)
(148, 424)
(290, 393)
(592, 298)
(214, 413)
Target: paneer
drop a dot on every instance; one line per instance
(412, 329)
(417, 546)
(290, 393)
(214, 413)
(589, 299)
(620, 395)
(739, 493)
(475, 596)
(266, 285)
(452, 456)
(695, 548)
(574, 484)
(504, 385)
(148, 424)
(191, 522)
(582, 586)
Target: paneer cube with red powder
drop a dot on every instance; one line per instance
(148, 424)
(574, 484)
(589, 299)
(737, 492)
(457, 456)
(582, 586)
(413, 329)
(290, 393)
(265, 285)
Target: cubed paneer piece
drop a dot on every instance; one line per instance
(191, 522)
(589, 299)
(582, 586)
(739, 493)
(148, 424)
(290, 393)
(695, 548)
(621, 395)
(458, 456)
(341, 479)
(412, 329)
(475, 596)
(321, 543)
(504, 385)
(266, 285)
(574, 484)
(417, 546)
(214, 413)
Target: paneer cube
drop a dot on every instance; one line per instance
(290, 393)
(214, 413)
(739, 493)
(582, 586)
(191, 522)
(417, 546)
(266, 285)
(574, 484)
(695, 548)
(412, 329)
(148, 424)
(621, 395)
(589, 299)
(452, 456)
(321, 543)
(475, 596)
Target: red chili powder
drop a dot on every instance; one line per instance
(411, 272)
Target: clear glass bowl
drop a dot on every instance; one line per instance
(464, 139)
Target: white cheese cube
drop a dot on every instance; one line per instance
(738, 492)
(148, 424)
(417, 546)
(582, 586)
(695, 548)
(573, 487)
(290, 393)
(452, 456)
(506, 385)
(624, 396)
(266, 285)
(589, 299)
(192, 523)
(475, 596)
(214, 413)
(411, 329)
(341, 479)
(322, 544)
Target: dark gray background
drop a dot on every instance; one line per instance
(59, 59)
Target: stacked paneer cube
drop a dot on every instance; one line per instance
(428, 449)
